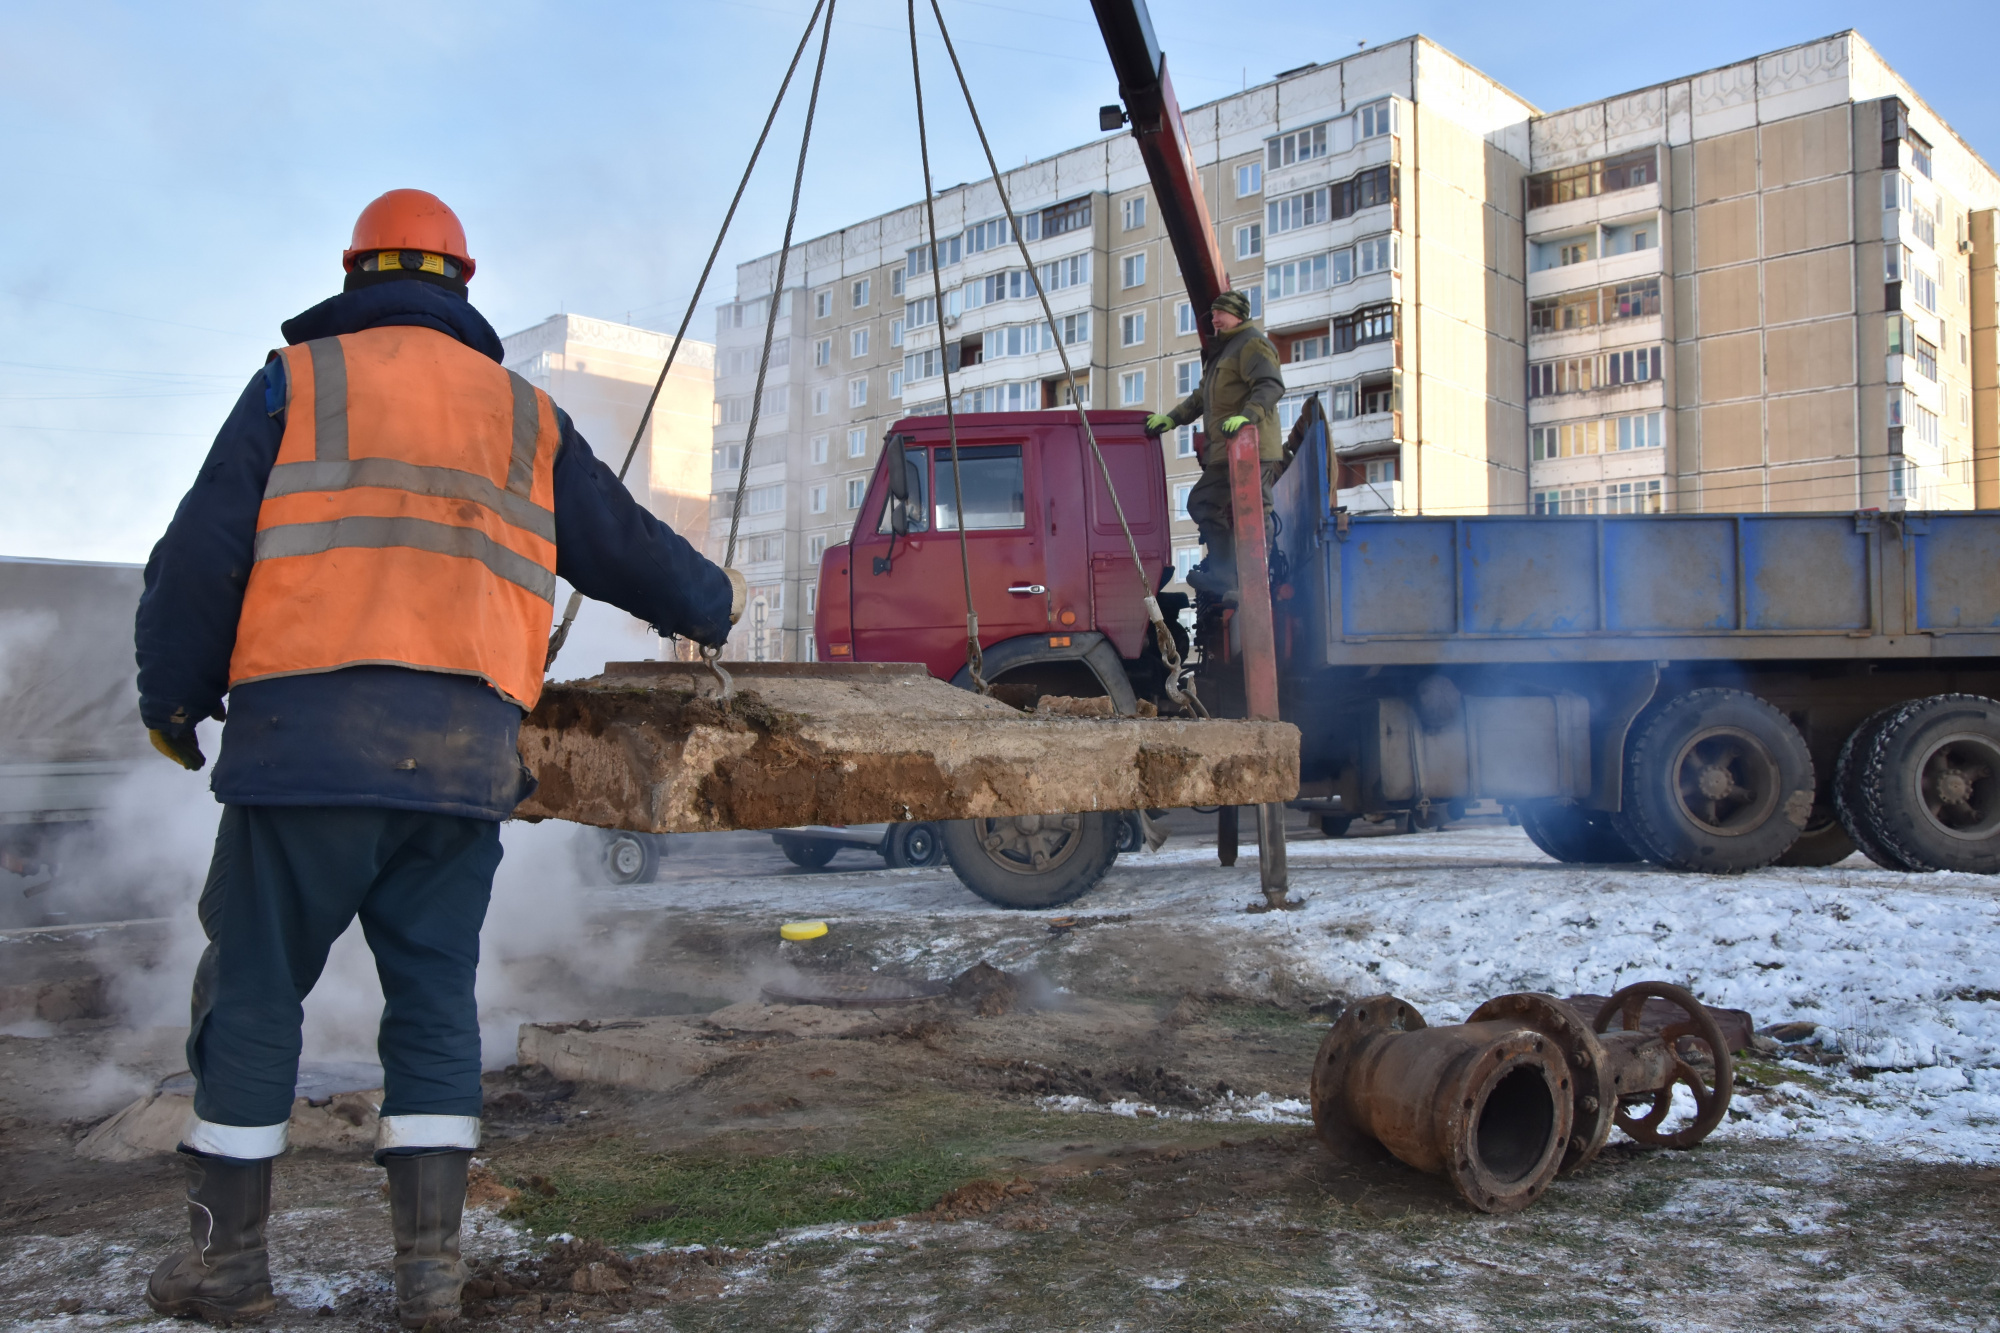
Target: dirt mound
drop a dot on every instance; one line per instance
(976, 1199)
(588, 1279)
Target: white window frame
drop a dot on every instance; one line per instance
(1185, 323)
(857, 442)
(1135, 212)
(1181, 493)
(1132, 270)
(816, 547)
(1184, 442)
(823, 304)
(1249, 179)
(857, 391)
(896, 384)
(896, 281)
(816, 500)
(1187, 377)
(857, 343)
(822, 401)
(1132, 329)
(1250, 240)
(857, 491)
(859, 292)
(1132, 388)
(895, 333)
(823, 352)
(818, 447)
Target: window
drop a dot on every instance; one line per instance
(921, 313)
(1573, 252)
(1132, 388)
(857, 443)
(777, 401)
(1378, 471)
(1964, 349)
(816, 545)
(1632, 300)
(1920, 153)
(823, 352)
(1063, 273)
(1297, 277)
(1296, 211)
(1135, 212)
(1571, 439)
(1377, 254)
(1184, 322)
(1181, 493)
(1249, 179)
(1375, 118)
(816, 500)
(822, 401)
(896, 282)
(988, 235)
(812, 604)
(1256, 295)
(1923, 290)
(818, 447)
(1571, 500)
(1008, 286)
(1594, 178)
(734, 411)
(1298, 146)
(857, 344)
(1002, 398)
(728, 456)
(857, 392)
(1185, 558)
(1072, 216)
(1964, 410)
(764, 499)
(994, 495)
(1561, 314)
(1133, 270)
(858, 292)
(895, 333)
(822, 304)
(1638, 365)
(1926, 359)
(1184, 442)
(1311, 349)
(1250, 240)
(947, 252)
(857, 488)
(923, 365)
(1643, 431)
(758, 550)
(1370, 324)
(1898, 485)
(895, 384)
(1633, 497)
(1132, 329)
(1187, 377)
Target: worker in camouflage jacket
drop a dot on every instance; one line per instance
(1239, 390)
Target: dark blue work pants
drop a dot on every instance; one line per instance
(284, 884)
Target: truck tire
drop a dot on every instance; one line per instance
(1716, 781)
(1335, 826)
(1030, 861)
(1928, 783)
(1574, 834)
(807, 854)
(628, 858)
(1855, 816)
(912, 845)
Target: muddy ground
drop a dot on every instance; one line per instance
(1109, 1139)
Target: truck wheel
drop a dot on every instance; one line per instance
(1030, 861)
(1335, 826)
(1716, 781)
(1856, 817)
(807, 854)
(912, 845)
(1929, 783)
(628, 858)
(1128, 833)
(1574, 834)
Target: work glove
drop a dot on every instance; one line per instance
(739, 594)
(1159, 424)
(1231, 425)
(176, 740)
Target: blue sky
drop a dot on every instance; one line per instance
(181, 178)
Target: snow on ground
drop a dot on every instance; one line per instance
(1898, 972)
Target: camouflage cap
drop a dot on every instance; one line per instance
(1236, 303)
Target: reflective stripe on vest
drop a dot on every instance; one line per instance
(409, 519)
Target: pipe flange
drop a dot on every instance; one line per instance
(1593, 1104)
(1500, 1154)
(1364, 1023)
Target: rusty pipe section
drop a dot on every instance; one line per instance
(1522, 1090)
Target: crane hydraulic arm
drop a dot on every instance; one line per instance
(1155, 117)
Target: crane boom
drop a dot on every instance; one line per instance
(1155, 117)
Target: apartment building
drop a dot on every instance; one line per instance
(1371, 208)
(1769, 286)
(1753, 289)
(601, 373)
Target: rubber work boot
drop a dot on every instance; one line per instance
(426, 1200)
(225, 1278)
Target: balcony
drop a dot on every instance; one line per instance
(1597, 208)
(1358, 432)
(1378, 497)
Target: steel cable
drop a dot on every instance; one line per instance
(561, 634)
(1179, 684)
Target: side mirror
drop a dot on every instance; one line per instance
(899, 474)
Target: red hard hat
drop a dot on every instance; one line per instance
(408, 220)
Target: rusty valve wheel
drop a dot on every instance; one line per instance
(1647, 1066)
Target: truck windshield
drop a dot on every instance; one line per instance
(994, 497)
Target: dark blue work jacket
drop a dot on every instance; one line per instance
(380, 735)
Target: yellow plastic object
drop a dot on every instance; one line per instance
(802, 930)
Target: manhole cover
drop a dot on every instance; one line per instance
(852, 992)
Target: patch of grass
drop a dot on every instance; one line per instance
(608, 1192)
(1264, 1017)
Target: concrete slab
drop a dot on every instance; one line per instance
(330, 1112)
(646, 746)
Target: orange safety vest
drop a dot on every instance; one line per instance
(410, 518)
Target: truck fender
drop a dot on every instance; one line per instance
(1617, 702)
(1090, 647)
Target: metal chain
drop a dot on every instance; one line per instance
(561, 634)
(975, 660)
(1179, 682)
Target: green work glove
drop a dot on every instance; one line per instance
(1159, 424)
(178, 745)
(1231, 425)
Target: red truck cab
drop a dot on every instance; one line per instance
(1060, 606)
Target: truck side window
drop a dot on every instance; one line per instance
(994, 495)
(918, 505)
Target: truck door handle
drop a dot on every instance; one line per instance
(1033, 589)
